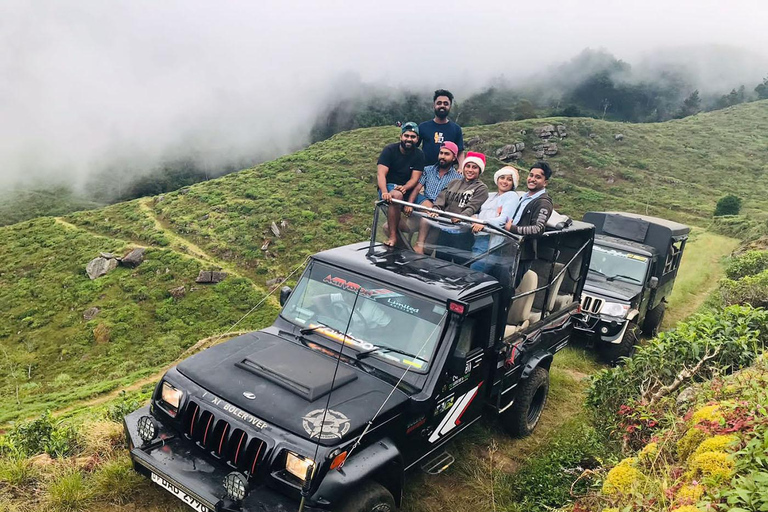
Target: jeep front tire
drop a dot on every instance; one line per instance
(521, 419)
(372, 497)
(612, 352)
(653, 319)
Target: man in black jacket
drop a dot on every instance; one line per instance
(531, 216)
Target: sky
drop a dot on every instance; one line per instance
(91, 84)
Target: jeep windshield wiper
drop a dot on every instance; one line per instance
(308, 330)
(622, 276)
(366, 353)
(598, 272)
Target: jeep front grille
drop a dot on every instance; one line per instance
(222, 440)
(591, 304)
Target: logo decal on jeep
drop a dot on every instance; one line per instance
(334, 426)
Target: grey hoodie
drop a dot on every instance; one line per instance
(462, 197)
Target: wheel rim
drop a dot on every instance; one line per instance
(537, 405)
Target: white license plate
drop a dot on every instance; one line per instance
(186, 498)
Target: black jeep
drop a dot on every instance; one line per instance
(379, 357)
(632, 271)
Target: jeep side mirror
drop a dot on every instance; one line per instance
(285, 292)
(654, 282)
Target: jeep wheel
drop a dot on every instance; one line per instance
(653, 320)
(372, 497)
(612, 352)
(521, 419)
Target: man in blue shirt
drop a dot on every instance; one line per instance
(435, 178)
(441, 129)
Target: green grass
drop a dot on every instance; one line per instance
(20, 205)
(699, 274)
(49, 355)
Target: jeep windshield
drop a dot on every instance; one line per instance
(369, 317)
(616, 265)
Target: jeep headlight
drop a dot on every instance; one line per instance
(171, 398)
(615, 309)
(299, 466)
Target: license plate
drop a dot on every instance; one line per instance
(186, 498)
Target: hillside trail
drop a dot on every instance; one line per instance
(69, 225)
(184, 246)
(201, 345)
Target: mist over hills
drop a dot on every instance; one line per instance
(318, 198)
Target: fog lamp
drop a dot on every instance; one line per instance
(147, 427)
(235, 485)
(604, 330)
(172, 397)
(298, 466)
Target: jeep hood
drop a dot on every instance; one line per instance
(289, 386)
(613, 290)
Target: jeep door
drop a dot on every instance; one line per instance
(463, 386)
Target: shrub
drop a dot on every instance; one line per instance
(716, 465)
(747, 264)
(732, 337)
(728, 205)
(623, 478)
(751, 290)
(43, 435)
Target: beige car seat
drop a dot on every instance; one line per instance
(535, 316)
(517, 318)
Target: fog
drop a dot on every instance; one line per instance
(88, 86)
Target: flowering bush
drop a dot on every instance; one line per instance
(716, 465)
(623, 478)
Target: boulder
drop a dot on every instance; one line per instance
(90, 313)
(98, 267)
(107, 255)
(265, 245)
(101, 334)
(618, 136)
(519, 146)
(275, 229)
(217, 277)
(539, 154)
(272, 282)
(178, 292)
(210, 276)
(592, 135)
(685, 397)
(561, 131)
(474, 141)
(508, 152)
(283, 223)
(550, 149)
(134, 258)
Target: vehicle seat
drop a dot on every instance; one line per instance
(517, 318)
(568, 288)
(536, 312)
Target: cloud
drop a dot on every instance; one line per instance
(90, 85)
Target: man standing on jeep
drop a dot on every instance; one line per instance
(531, 215)
(398, 170)
(441, 129)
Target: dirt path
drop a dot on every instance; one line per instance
(699, 275)
(69, 225)
(184, 246)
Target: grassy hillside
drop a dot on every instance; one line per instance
(318, 198)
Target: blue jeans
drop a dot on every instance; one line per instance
(479, 247)
(390, 188)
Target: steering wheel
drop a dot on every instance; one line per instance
(342, 311)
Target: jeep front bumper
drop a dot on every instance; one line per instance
(184, 470)
(607, 329)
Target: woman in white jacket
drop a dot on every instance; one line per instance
(496, 210)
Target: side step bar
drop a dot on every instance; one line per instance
(438, 463)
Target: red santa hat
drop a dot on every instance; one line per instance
(477, 158)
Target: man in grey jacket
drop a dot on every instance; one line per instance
(464, 197)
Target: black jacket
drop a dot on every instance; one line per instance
(532, 223)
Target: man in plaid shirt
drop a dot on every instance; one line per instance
(436, 177)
